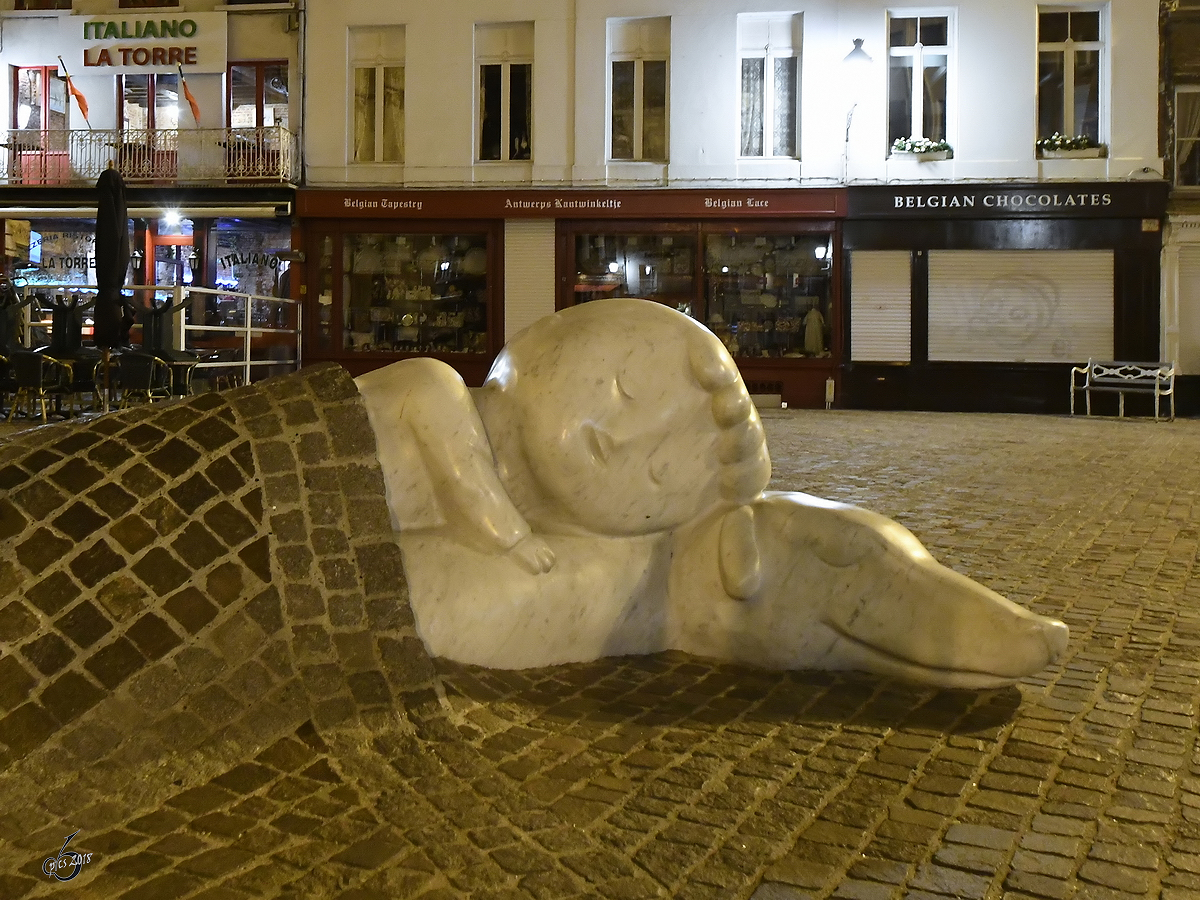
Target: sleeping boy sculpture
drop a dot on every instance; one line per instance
(604, 494)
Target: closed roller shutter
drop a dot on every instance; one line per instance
(880, 306)
(1020, 305)
(528, 272)
(1189, 309)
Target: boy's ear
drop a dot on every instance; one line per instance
(737, 552)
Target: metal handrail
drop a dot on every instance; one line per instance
(247, 330)
(263, 155)
(253, 308)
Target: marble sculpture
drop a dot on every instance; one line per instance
(604, 493)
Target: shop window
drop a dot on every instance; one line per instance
(43, 4)
(767, 294)
(258, 94)
(770, 295)
(504, 55)
(918, 77)
(1069, 64)
(639, 50)
(377, 58)
(769, 53)
(405, 293)
(248, 256)
(660, 267)
(62, 251)
(145, 4)
(325, 327)
(1187, 136)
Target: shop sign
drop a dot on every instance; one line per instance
(129, 44)
(1104, 199)
(571, 204)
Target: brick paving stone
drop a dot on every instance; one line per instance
(621, 778)
(1039, 885)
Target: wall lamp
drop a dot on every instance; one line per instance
(858, 54)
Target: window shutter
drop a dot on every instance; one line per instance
(528, 274)
(1020, 305)
(1189, 309)
(880, 306)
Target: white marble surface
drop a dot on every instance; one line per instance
(603, 494)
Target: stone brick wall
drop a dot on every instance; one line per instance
(220, 569)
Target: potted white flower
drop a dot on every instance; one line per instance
(1061, 146)
(922, 148)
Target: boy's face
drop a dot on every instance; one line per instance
(621, 438)
(613, 429)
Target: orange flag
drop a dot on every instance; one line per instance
(75, 92)
(190, 99)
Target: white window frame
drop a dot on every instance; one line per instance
(1068, 48)
(505, 45)
(917, 53)
(638, 41)
(387, 53)
(1194, 91)
(769, 38)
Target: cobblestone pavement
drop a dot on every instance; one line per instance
(670, 776)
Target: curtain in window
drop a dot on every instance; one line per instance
(393, 113)
(786, 89)
(364, 114)
(752, 106)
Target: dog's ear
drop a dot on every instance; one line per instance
(738, 557)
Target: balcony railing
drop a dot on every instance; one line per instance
(208, 156)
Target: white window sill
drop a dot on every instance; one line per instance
(255, 7)
(502, 172)
(639, 171)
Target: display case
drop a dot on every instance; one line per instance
(414, 293)
(660, 267)
(768, 289)
(770, 296)
(382, 294)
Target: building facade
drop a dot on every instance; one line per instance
(195, 103)
(1181, 240)
(855, 197)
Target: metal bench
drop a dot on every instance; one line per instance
(1121, 378)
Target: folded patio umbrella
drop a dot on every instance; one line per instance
(113, 315)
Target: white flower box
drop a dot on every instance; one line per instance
(927, 156)
(1085, 153)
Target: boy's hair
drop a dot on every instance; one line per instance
(742, 448)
